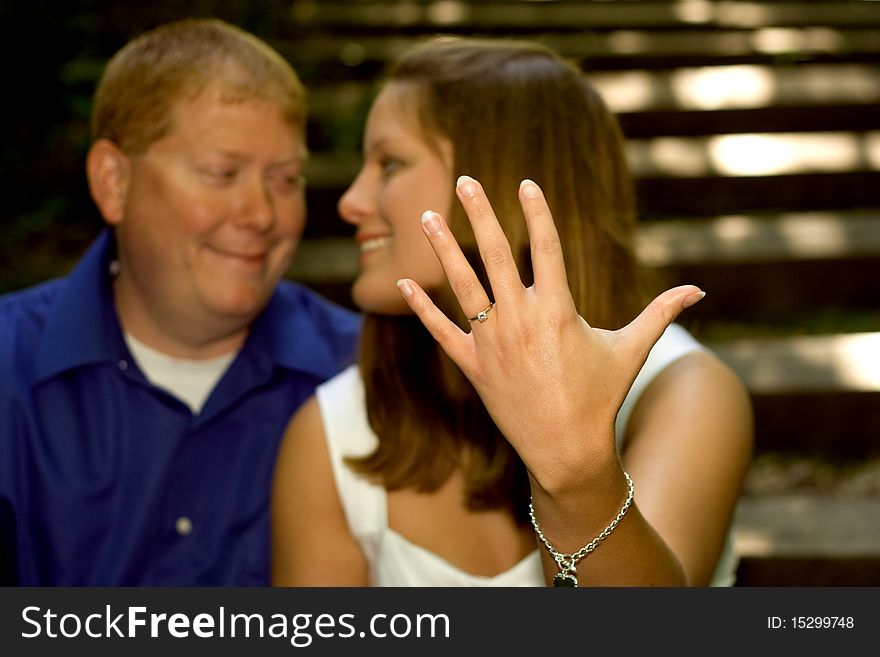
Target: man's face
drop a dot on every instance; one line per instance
(213, 213)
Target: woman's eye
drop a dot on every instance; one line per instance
(389, 165)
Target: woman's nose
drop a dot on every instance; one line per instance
(355, 203)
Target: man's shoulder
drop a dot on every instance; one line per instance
(27, 309)
(24, 315)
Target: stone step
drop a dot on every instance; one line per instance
(750, 155)
(802, 118)
(782, 293)
(805, 364)
(671, 197)
(760, 238)
(808, 571)
(811, 394)
(833, 423)
(808, 540)
(708, 89)
(576, 16)
(712, 88)
(804, 525)
(754, 154)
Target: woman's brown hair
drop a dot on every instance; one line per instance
(511, 110)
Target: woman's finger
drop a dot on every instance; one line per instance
(547, 262)
(494, 247)
(449, 336)
(464, 282)
(640, 335)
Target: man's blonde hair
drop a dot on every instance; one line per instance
(177, 61)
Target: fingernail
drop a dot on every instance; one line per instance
(529, 188)
(430, 221)
(690, 300)
(466, 187)
(404, 287)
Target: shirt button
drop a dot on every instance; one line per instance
(184, 526)
(123, 365)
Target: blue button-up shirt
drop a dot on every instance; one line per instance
(108, 480)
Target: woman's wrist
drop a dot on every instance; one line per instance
(567, 562)
(572, 515)
(591, 462)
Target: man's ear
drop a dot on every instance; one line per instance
(108, 170)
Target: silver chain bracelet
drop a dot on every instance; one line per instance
(567, 562)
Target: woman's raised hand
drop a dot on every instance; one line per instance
(551, 382)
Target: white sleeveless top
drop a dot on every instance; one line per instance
(395, 561)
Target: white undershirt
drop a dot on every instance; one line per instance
(189, 380)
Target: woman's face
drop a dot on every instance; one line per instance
(401, 177)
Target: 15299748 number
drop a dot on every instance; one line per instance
(810, 623)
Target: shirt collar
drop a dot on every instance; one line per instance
(296, 334)
(82, 327)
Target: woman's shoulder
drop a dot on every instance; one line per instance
(688, 384)
(343, 412)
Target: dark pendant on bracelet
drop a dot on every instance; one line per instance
(565, 579)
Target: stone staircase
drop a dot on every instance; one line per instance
(754, 134)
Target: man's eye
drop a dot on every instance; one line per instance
(286, 181)
(221, 175)
(291, 183)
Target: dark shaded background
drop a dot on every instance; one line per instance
(53, 54)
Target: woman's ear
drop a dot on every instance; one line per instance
(108, 170)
